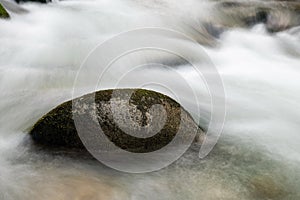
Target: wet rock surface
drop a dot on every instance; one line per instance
(134, 120)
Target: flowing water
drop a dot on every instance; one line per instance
(257, 156)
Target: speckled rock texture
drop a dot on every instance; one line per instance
(134, 120)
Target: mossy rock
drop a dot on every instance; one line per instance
(3, 12)
(118, 112)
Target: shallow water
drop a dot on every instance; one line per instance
(257, 156)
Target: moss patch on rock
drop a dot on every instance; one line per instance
(3, 13)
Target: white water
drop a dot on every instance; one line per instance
(41, 52)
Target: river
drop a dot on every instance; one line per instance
(257, 155)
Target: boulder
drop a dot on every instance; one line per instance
(154, 117)
(3, 12)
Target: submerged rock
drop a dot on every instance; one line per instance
(265, 187)
(121, 114)
(3, 12)
(277, 16)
